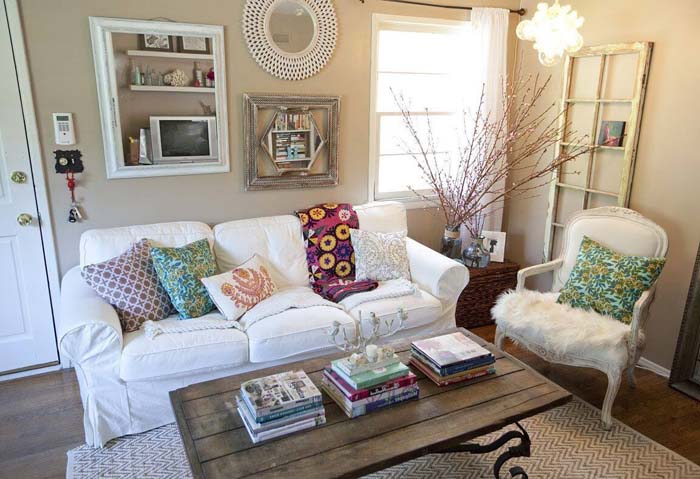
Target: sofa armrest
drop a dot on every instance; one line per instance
(89, 329)
(442, 277)
(525, 273)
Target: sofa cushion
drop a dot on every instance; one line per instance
(100, 245)
(422, 308)
(278, 239)
(382, 217)
(293, 332)
(177, 353)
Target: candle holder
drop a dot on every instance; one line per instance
(364, 353)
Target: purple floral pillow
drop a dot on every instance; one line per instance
(130, 284)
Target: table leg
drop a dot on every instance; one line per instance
(519, 450)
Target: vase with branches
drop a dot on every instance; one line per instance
(498, 156)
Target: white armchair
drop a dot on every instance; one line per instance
(561, 334)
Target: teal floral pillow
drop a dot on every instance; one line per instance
(608, 282)
(180, 271)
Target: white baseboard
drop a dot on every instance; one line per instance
(644, 363)
(30, 372)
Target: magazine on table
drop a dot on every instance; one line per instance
(279, 392)
(450, 349)
(283, 421)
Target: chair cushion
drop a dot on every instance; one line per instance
(293, 332)
(559, 329)
(180, 271)
(178, 353)
(609, 282)
(422, 308)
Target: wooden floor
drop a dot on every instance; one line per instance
(41, 416)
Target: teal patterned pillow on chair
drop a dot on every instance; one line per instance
(180, 271)
(607, 282)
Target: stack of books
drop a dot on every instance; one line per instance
(361, 389)
(280, 404)
(451, 358)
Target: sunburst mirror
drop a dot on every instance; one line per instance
(290, 39)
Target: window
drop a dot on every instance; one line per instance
(424, 61)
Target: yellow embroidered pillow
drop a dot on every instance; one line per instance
(609, 282)
(235, 292)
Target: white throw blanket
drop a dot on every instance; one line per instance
(394, 288)
(289, 298)
(284, 299)
(167, 326)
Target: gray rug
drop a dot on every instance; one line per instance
(566, 442)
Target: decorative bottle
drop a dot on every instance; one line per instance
(197, 75)
(135, 74)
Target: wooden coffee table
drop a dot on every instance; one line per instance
(442, 420)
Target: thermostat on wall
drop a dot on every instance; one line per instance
(63, 128)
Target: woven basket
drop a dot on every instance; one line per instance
(485, 284)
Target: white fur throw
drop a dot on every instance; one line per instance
(537, 318)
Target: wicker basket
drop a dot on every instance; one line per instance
(485, 284)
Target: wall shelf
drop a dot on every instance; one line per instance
(170, 55)
(172, 89)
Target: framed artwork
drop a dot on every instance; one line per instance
(157, 42)
(194, 45)
(611, 133)
(495, 242)
(291, 141)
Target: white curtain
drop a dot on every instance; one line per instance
(489, 58)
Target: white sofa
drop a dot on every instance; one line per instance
(125, 377)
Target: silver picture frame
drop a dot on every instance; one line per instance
(258, 109)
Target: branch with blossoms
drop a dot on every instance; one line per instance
(492, 147)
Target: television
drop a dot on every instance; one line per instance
(184, 139)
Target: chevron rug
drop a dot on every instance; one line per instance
(566, 442)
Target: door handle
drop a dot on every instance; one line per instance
(18, 177)
(24, 219)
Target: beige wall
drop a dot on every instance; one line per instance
(60, 59)
(666, 185)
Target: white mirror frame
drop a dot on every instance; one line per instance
(286, 65)
(101, 30)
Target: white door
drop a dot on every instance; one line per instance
(27, 337)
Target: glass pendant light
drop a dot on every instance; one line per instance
(554, 30)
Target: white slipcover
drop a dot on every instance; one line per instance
(125, 378)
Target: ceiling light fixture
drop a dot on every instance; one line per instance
(554, 30)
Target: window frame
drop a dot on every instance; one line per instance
(403, 23)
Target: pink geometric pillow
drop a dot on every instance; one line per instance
(130, 284)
